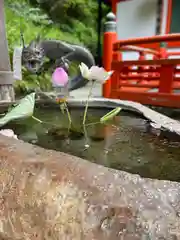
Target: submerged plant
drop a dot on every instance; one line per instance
(94, 74)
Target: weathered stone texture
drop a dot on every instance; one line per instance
(49, 195)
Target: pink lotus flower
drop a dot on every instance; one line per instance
(59, 77)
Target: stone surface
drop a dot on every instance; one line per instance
(49, 195)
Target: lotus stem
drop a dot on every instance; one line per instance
(43, 122)
(62, 108)
(87, 104)
(68, 113)
(37, 119)
(93, 123)
(86, 137)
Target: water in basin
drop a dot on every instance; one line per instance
(124, 143)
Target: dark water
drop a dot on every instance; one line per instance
(123, 144)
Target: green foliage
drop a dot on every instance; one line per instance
(74, 21)
(78, 17)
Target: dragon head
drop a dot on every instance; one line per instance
(33, 56)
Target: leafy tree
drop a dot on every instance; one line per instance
(74, 21)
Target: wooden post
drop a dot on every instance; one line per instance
(6, 75)
(110, 37)
(166, 78)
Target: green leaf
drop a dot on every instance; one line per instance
(110, 115)
(24, 109)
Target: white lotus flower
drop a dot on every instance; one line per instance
(96, 73)
(8, 133)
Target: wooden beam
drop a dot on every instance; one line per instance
(6, 75)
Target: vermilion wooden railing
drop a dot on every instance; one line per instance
(147, 40)
(132, 80)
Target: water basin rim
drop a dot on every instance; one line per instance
(102, 103)
(162, 121)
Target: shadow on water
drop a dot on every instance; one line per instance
(126, 143)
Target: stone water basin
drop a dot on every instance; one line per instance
(125, 143)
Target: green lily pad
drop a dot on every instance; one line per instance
(24, 109)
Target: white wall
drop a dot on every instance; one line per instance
(136, 18)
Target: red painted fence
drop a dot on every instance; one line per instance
(154, 82)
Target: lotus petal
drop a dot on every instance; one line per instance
(59, 77)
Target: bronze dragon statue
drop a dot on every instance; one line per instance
(40, 55)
